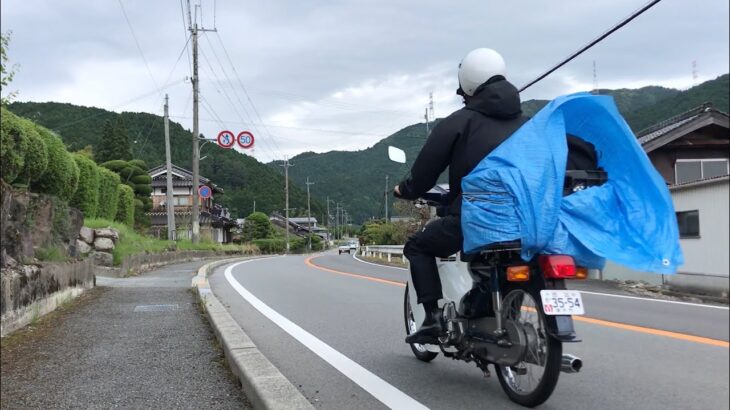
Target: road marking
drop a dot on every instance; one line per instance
(354, 256)
(309, 263)
(379, 388)
(641, 329)
(617, 325)
(613, 295)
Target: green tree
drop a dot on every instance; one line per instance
(108, 194)
(86, 197)
(125, 205)
(114, 144)
(13, 146)
(6, 73)
(36, 156)
(257, 226)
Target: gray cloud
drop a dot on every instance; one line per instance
(341, 75)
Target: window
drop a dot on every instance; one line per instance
(688, 170)
(689, 224)
(182, 200)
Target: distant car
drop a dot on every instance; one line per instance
(349, 247)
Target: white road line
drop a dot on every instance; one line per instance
(654, 300)
(379, 388)
(354, 256)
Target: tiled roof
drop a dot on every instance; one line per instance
(664, 127)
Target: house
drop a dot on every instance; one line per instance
(215, 220)
(691, 151)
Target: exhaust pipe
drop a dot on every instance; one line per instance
(571, 364)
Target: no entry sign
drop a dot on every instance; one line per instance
(245, 139)
(204, 191)
(226, 139)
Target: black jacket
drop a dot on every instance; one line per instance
(461, 140)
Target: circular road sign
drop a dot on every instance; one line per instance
(226, 139)
(245, 139)
(205, 192)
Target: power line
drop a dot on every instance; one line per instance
(220, 40)
(138, 46)
(593, 42)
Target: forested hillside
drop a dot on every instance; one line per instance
(357, 179)
(242, 177)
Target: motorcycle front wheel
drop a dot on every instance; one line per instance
(533, 380)
(419, 350)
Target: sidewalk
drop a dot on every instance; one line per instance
(138, 342)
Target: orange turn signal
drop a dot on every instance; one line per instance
(518, 273)
(581, 273)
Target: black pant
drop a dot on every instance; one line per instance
(440, 238)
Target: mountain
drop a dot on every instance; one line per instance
(357, 178)
(242, 177)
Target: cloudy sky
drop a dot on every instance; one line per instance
(324, 75)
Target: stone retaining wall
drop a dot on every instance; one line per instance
(39, 289)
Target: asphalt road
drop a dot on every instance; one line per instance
(637, 353)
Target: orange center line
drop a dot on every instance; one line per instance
(585, 319)
(311, 264)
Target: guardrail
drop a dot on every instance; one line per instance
(387, 251)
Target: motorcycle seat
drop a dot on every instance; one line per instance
(495, 247)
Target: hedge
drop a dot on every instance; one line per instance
(116, 165)
(86, 197)
(62, 174)
(36, 156)
(13, 146)
(138, 163)
(108, 194)
(270, 246)
(141, 179)
(125, 205)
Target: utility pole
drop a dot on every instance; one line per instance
(337, 220)
(309, 215)
(286, 200)
(254, 205)
(426, 118)
(386, 199)
(169, 197)
(430, 105)
(195, 217)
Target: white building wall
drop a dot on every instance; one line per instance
(707, 254)
(706, 263)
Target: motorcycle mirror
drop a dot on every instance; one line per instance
(396, 155)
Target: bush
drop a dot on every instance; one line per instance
(141, 219)
(108, 194)
(270, 246)
(62, 173)
(13, 146)
(138, 163)
(125, 205)
(257, 226)
(141, 179)
(36, 156)
(116, 165)
(86, 197)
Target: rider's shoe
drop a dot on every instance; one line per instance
(430, 330)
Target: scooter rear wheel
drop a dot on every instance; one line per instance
(533, 380)
(419, 350)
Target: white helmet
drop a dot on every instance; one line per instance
(479, 66)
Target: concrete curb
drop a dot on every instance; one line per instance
(263, 384)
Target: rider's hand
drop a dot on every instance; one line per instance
(396, 190)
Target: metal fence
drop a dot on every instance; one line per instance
(384, 251)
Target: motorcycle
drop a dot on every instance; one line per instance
(501, 310)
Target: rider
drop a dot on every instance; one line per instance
(460, 141)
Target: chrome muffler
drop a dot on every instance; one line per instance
(571, 364)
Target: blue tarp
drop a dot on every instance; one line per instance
(516, 193)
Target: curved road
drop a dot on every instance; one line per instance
(334, 327)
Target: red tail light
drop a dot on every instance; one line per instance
(557, 266)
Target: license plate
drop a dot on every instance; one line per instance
(561, 302)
